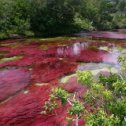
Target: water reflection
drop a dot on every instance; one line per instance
(85, 52)
(74, 49)
(108, 35)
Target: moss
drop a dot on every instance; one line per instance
(12, 45)
(3, 60)
(2, 54)
(44, 47)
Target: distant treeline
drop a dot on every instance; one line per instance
(56, 17)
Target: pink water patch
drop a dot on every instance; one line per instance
(12, 81)
(86, 54)
(108, 35)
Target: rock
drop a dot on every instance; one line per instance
(73, 86)
(12, 81)
(114, 70)
(66, 78)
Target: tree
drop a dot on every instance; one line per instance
(15, 16)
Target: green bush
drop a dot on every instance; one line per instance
(77, 108)
(61, 94)
(15, 17)
(85, 77)
(101, 118)
(106, 98)
(108, 80)
(57, 17)
(118, 108)
(82, 22)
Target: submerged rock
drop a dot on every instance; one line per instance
(12, 81)
(66, 78)
(95, 68)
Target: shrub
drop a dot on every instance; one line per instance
(77, 108)
(101, 118)
(85, 77)
(61, 94)
(118, 108)
(108, 80)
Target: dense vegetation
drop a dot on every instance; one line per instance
(55, 17)
(105, 98)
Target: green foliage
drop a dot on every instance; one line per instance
(55, 17)
(107, 95)
(77, 108)
(85, 77)
(104, 96)
(61, 94)
(97, 96)
(49, 105)
(118, 108)
(108, 80)
(101, 118)
(119, 18)
(82, 22)
(120, 88)
(99, 12)
(122, 60)
(15, 17)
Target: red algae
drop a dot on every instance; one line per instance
(86, 54)
(40, 65)
(23, 109)
(50, 71)
(53, 119)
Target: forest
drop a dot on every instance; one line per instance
(62, 62)
(59, 17)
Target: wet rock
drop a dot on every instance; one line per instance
(95, 68)
(104, 73)
(12, 81)
(96, 72)
(73, 86)
(66, 78)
